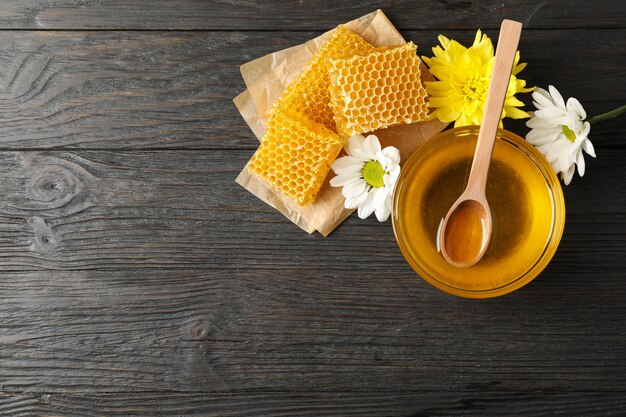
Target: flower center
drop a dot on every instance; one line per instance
(373, 173)
(475, 89)
(569, 133)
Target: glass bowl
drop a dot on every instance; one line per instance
(526, 202)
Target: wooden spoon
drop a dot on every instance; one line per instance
(466, 230)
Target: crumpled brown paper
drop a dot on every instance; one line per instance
(268, 76)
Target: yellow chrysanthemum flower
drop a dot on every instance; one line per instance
(463, 80)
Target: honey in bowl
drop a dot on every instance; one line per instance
(527, 210)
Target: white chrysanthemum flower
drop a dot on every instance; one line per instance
(368, 175)
(559, 131)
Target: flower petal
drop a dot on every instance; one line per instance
(538, 122)
(391, 177)
(392, 153)
(355, 202)
(572, 122)
(343, 179)
(515, 113)
(552, 114)
(558, 150)
(513, 101)
(586, 130)
(355, 142)
(541, 136)
(363, 154)
(347, 164)
(380, 194)
(542, 98)
(557, 97)
(580, 162)
(574, 105)
(383, 159)
(567, 176)
(354, 188)
(372, 144)
(367, 207)
(375, 199)
(383, 211)
(588, 147)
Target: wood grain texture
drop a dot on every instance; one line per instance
(302, 15)
(136, 271)
(57, 205)
(109, 210)
(479, 403)
(227, 331)
(137, 90)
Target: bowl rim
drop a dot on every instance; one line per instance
(558, 221)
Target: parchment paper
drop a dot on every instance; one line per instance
(268, 76)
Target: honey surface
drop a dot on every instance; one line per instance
(521, 207)
(464, 234)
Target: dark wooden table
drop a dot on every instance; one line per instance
(138, 279)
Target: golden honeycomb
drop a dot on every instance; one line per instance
(308, 93)
(295, 155)
(377, 89)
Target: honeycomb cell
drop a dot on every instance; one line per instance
(309, 93)
(295, 155)
(396, 71)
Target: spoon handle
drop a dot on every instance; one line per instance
(508, 40)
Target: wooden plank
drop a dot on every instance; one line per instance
(304, 331)
(142, 271)
(108, 90)
(120, 201)
(302, 15)
(482, 403)
(136, 90)
(181, 209)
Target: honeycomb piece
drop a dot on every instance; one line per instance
(308, 93)
(295, 155)
(377, 89)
